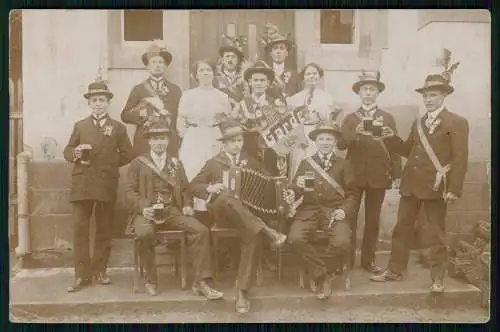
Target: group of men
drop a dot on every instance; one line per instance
(160, 197)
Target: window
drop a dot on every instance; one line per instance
(337, 27)
(142, 25)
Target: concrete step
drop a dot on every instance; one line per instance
(43, 292)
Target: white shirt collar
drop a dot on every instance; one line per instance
(371, 108)
(156, 79)
(102, 119)
(232, 157)
(279, 68)
(322, 156)
(260, 100)
(159, 160)
(434, 114)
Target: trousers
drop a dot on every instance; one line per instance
(85, 267)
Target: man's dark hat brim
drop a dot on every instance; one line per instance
(167, 56)
(262, 70)
(157, 132)
(356, 86)
(333, 131)
(287, 42)
(233, 132)
(91, 93)
(445, 88)
(225, 49)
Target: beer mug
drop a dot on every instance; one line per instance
(377, 128)
(158, 208)
(85, 158)
(309, 181)
(367, 124)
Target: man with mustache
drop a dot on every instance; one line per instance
(155, 99)
(97, 148)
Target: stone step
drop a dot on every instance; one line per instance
(43, 292)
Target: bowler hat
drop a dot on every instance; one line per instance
(368, 78)
(159, 128)
(259, 67)
(330, 127)
(436, 82)
(233, 44)
(229, 129)
(98, 88)
(155, 49)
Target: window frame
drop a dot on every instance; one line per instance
(346, 47)
(138, 43)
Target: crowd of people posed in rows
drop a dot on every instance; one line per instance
(185, 141)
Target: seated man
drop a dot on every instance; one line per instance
(231, 211)
(156, 191)
(327, 184)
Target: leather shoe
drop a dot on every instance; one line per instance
(437, 287)
(151, 289)
(372, 268)
(324, 291)
(79, 284)
(387, 275)
(203, 289)
(102, 278)
(242, 302)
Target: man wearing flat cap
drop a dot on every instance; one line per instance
(328, 188)
(97, 148)
(157, 191)
(376, 168)
(437, 152)
(154, 99)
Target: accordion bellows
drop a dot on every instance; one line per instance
(264, 195)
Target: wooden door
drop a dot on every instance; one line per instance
(207, 27)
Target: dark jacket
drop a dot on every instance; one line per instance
(450, 142)
(99, 180)
(374, 166)
(290, 84)
(130, 114)
(325, 197)
(139, 186)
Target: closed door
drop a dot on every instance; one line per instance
(207, 28)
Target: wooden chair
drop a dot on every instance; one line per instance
(176, 249)
(322, 235)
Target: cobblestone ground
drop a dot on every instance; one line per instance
(331, 315)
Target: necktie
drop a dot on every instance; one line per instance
(429, 121)
(325, 160)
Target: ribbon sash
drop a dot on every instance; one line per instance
(157, 171)
(440, 170)
(326, 176)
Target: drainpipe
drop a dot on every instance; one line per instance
(23, 247)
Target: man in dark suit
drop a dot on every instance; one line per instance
(98, 147)
(375, 168)
(229, 211)
(437, 152)
(327, 184)
(157, 191)
(155, 99)
(286, 82)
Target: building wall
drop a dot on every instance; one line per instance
(58, 67)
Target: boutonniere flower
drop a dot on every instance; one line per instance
(107, 130)
(286, 76)
(172, 167)
(278, 102)
(434, 125)
(243, 163)
(328, 165)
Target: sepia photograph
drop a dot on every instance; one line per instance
(249, 166)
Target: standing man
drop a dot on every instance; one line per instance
(278, 47)
(159, 199)
(329, 191)
(437, 152)
(229, 77)
(97, 148)
(153, 100)
(229, 211)
(375, 168)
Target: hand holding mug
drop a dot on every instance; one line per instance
(149, 213)
(216, 188)
(301, 182)
(188, 211)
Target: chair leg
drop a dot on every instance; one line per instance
(137, 268)
(183, 263)
(279, 253)
(347, 270)
(301, 278)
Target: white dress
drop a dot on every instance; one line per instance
(195, 124)
(323, 104)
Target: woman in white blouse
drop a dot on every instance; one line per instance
(196, 122)
(320, 106)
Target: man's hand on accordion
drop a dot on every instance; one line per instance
(290, 197)
(188, 211)
(148, 213)
(337, 215)
(301, 182)
(215, 188)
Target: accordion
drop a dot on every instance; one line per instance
(264, 195)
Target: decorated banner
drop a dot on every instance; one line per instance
(284, 129)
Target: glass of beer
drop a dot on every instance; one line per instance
(377, 128)
(158, 208)
(85, 158)
(367, 124)
(309, 181)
